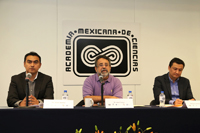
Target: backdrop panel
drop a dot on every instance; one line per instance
(85, 40)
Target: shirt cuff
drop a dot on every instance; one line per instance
(40, 101)
(171, 101)
(17, 103)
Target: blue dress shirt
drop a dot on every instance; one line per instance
(174, 90)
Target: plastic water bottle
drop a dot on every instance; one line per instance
(130, 95)
(162, 99)
(65, 95)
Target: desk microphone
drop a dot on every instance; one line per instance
(28, 76)
(101, 78)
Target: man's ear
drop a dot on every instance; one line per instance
(40, 65)
(95, 69)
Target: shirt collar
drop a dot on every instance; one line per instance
(35, 76)
(172, 80)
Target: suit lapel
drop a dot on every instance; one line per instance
(179, 88)
(167, 82)
(38, 84)
(23, 82)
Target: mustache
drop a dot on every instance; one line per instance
(104, 70)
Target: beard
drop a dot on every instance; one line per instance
(104, 74)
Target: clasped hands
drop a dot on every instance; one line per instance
(180, 101)
(31, 101)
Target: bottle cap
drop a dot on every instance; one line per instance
(129, 91)
(65, 90)
(162, 91)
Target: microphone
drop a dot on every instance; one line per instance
(101, 78)
(28, 76)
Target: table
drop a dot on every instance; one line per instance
(162, 120)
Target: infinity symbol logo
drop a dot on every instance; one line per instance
(90, 52)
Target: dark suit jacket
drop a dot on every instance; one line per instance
(17, 89)
(162, 83)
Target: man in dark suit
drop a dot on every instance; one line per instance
(40, 85)
(175, 87)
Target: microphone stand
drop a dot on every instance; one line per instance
(102, 93)
(101, 96)
(27, 92)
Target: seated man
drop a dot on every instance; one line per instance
(175, 87)
(92, 85)
(40, 85)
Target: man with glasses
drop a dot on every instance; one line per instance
(40, 85)
(92, 85)
(175, 87)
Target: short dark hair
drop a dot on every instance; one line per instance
(104, 57)
(33, 54)
(176, 60)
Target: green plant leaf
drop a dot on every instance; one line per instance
(128, 128)
(80, 130)
(139, 129)
(138, 123)
(120, 128)
(148, 128)
(96, 129)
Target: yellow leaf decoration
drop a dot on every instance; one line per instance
(148, 128)
(134, 127)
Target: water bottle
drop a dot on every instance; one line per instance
(130, 95)
(162, 99)
(65, 95)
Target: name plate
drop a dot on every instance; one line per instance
(192, 104)
(58, 104)
(119, 103)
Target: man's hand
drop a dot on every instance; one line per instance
(33, 100)
(192, 99)
(178, 102)
(23, 102)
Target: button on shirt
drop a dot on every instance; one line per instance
(31, 88)
(174, 90)
(112, 86)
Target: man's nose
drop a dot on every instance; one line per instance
(177, 71)
(32, 64)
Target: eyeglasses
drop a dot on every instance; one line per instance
(101, 65)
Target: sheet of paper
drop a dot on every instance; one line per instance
(59, 104)
(119, 103)
(192, 104)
